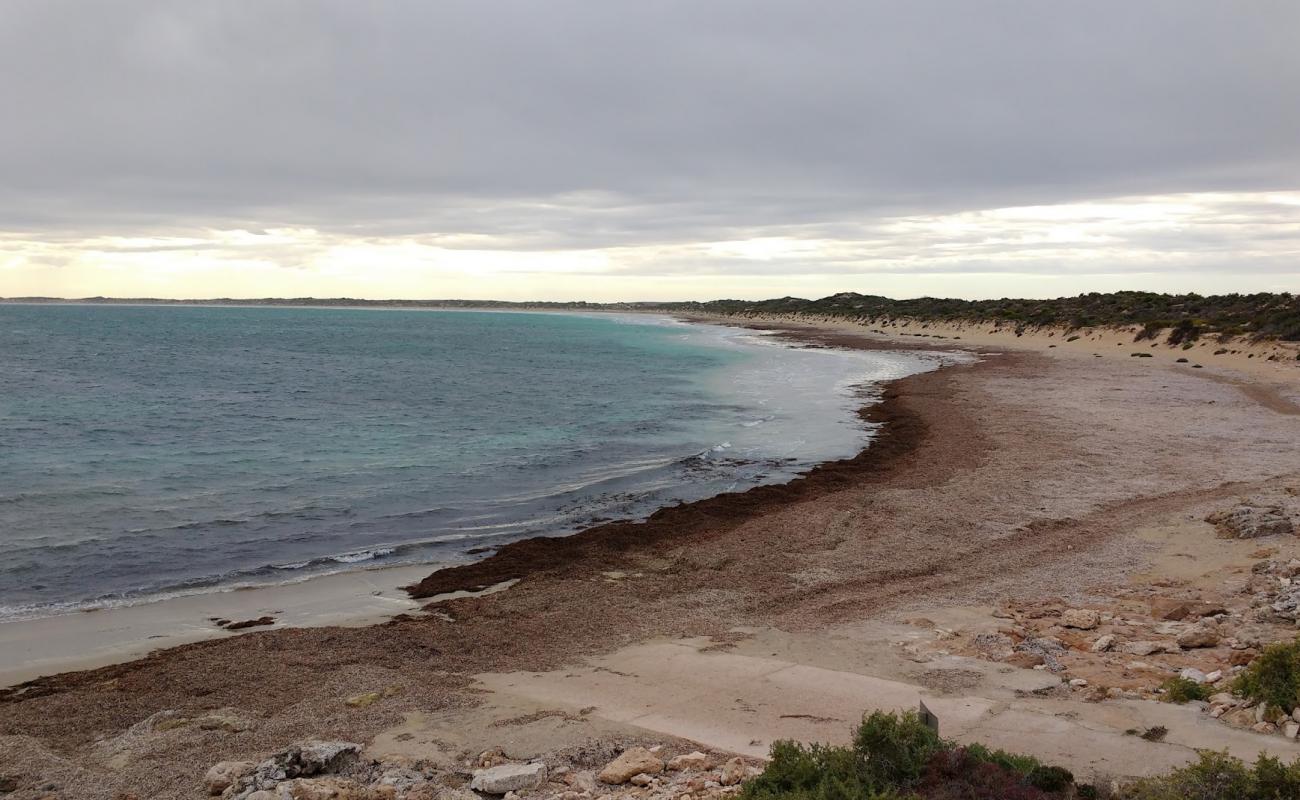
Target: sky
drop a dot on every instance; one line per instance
(667, 150)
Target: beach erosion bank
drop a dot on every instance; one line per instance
(1027, 474)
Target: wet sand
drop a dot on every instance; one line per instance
(1020, 475)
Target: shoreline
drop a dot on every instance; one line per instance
(95, 637)
(1022, 475)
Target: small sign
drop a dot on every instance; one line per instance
(930, 720)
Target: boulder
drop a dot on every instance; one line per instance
(733, 772)
(1192, 674)
(1291, 729)
(224, 773)
(1084, 619)
(633, 761)
(640, 779)
(508, 778)
(695, 760)
(1250, 522)
(1103, 643)
(1202, 635)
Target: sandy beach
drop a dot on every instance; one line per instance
(1043, 477)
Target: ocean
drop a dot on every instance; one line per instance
(153, 451)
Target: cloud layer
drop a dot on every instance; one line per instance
(668, 139)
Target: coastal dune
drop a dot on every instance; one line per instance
(1027, 474)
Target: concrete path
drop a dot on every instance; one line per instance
(743, 702)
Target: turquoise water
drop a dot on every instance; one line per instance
(147, 451)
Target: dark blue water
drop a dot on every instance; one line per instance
(155, 450)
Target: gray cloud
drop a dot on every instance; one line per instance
(587, 124)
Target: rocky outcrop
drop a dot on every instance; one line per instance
(1251, 522)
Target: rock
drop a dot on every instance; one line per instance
(1167, 609)
(1263, 727)
(640, 779)
(508, 778)
(1103, 643)
(633, 760)
(363, 700)
(262, 794)
(1144, 648)
(1046, 648)
(1291, 729)
(1223, 699)
(224, 773)
(1082, 618)
(1214, 677)
(1201, 635)
(695, 760)
(1240, 658)
(585, 781)
(1250, 522)
(733, 772)
(453, 794)
(1239, 717)
(300, 761)
(1192, 674)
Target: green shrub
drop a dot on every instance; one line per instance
(1273, 677)
(896, 747)
(1183, 690)
(1219, 776)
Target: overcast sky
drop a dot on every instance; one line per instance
(611, 150)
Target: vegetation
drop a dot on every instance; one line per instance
(1183, 690)
(1273, 677)
(1218, 776)
(1186, 317)
(896, 757)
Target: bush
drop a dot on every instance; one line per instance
(896, 747)
(896, 757)
(1273, 677)
(1183, 690)
(1218, 776)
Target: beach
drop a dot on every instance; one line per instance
(1034, 474)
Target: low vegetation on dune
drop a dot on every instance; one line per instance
(897, 757)
(1181, 318)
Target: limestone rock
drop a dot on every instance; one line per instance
(634, 760)
(1291, 729)
(640, 779)
(1250, 522)
(733, 772)
(1082, 618)
(1103, 644)
(1192, 674)
(509, 778)
(224, 773)
(1202, 635)
(695, 760)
